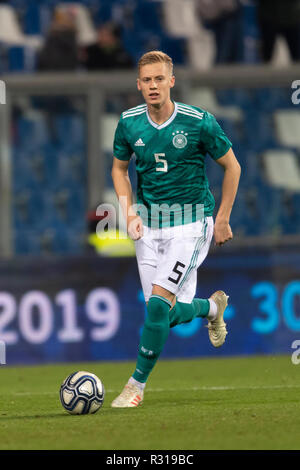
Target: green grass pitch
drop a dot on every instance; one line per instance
(224, 403)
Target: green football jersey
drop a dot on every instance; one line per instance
(170, 161)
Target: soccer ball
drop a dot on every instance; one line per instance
(82, 393)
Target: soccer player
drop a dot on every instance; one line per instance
(170, 141)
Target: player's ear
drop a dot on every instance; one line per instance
(138, 84)
(172, 81)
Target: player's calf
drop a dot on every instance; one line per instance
(154, 336)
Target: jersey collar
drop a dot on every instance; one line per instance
(166, 123)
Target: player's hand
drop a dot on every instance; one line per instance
(134, 227)
(222, 232)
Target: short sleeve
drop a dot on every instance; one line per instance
(122, 149)
(213, 138)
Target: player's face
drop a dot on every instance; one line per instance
(155, 82)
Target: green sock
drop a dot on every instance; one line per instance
(184, 313)
(154, 335)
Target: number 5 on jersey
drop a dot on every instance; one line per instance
(161, 160)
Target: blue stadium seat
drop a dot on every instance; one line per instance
(41, 209)
(50, 165)
(239, 97)
(21, 58)
(147, 33)
(244, 217)
(175, 48)
(103, 11)
(63, 241)
(26, 242)
(49, 235)
(71, 206)
(147, 17)
(259, 130)
(22, 174)
(269, 208)
(288, 214)
(272, 98)
(32, 19)
(16, 58)
(49, 183)
(77, 241)
(132, 44)
(70, 131)
(251, 33)
(233, 129)
(31, 134)
(28, 209)
(71, 170)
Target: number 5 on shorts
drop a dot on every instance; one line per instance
(176, 271)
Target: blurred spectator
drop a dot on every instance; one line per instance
(108, 52)
(277, 17)
(224, 18)
(60, 52)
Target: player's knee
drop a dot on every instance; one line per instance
(162, 292)
(158, 310)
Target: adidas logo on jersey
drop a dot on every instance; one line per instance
(139, 143)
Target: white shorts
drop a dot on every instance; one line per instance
(170, 257)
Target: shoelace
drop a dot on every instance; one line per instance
(210, 326)
(126, 393)
(129, 389)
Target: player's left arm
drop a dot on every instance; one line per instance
(232, 171)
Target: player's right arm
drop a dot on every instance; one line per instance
(123, 190)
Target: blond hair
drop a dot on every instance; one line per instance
(153, 57)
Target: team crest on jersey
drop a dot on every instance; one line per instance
(179, 139)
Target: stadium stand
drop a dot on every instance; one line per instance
(145, 24)
(49, 184)
(187, 25)
(84, 22)
(50, 171)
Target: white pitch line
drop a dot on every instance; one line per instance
(194, 389)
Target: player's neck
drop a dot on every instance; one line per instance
(160, 114)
